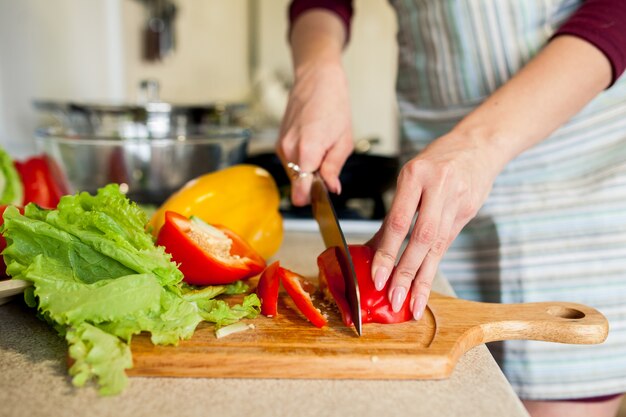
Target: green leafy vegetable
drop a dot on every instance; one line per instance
(237, 287)
(99, 279)
(220, 313)
(100, 354)
(11, 188)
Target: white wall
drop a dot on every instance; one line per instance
(210, 61)
(371, 61)
(63, 49)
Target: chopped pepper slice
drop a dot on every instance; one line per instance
(208, 255)
(267, 290)
(375, 305)
(293, 284)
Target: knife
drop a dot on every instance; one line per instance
(326, 217)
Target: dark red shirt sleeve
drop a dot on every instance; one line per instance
(600, 22)
(603, 24)
(342, 8)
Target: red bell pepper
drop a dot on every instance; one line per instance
(294, 285)
(208, 255)
(375, 305)
(267, 290)
(40, 186)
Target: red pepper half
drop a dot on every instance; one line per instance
(375, 305)
(208, 255)
(294, 285)
(267, 290)
(40, 187)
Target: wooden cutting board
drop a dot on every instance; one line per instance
(287, 346)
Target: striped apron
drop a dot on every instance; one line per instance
(554, 225)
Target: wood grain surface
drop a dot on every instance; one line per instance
(11, 287)
(287, 346)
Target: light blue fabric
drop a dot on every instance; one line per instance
(554, 226)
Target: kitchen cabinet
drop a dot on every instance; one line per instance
(34, 380)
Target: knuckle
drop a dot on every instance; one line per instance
(385, 256)
(286, 147)
(305, 147)
(468, 210)
(423, 286)
(439, 247)
(461, 188)
(404, 276)
(425, 233)
(398, 224)
(444, 171)
(411, 169)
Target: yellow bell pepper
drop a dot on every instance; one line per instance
(243, 198)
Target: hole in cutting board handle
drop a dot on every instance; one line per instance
(565, 312)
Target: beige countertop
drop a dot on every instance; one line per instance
(34, 380)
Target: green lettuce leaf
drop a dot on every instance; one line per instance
(220, 313)
(11, 188)
(98, 354)
(68, 302)
(28, 237)
(98, 279)
(237, 287)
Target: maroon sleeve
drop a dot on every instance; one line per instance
(342, 8)
(603, 24)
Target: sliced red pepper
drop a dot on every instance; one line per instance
(40, 186)
(375, 305)
(294, 285)
(267, 290)
(208, 254)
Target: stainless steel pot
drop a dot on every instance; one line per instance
(149, 170)
(151, 150)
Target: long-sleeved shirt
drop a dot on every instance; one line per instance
(600, 22)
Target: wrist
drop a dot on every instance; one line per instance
(495, 146)
(319, 65)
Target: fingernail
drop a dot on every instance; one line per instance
(419, 307)
(380, 277)
(397, 298)
(338, 186)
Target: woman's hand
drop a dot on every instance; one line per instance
(449, 181)
(446, 184)
(316, 131)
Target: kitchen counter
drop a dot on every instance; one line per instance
(34, 380)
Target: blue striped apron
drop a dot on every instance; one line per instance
(554, 225)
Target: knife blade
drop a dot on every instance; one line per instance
(330, 229)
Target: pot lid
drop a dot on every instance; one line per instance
(148, 118)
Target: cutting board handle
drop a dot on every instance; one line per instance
(561, 322)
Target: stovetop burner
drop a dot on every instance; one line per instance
(352, 209)
(365, 179)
